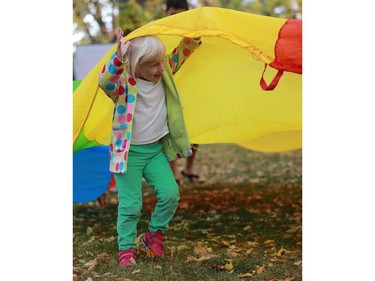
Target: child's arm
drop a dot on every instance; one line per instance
(111, 78)
(185, 48)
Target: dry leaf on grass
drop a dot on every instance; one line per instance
(282, 252)
(89, 230)
(224, 243)
(245, 275)
(294, 229)
(253, 244)
(172, 251)
(182, 247)
(261, 269)
(228, 266)
(247, 228)
(204, 253)
(183, 205)
(200, 259)
(91, 264)
(269, 243)
(200, 250)
(98, 260)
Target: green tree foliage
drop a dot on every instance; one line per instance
(275, 8)
(290, 9)
(94, 21)
(131, 15)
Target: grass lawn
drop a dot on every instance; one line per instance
(243, 223)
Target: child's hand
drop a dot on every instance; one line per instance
(122, 47)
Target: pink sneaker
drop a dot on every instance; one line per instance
(154, 243)
(127, 257)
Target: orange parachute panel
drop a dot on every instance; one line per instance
(288, 48)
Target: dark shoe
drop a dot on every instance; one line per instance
(154, 243)
(191, 177)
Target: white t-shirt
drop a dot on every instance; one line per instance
(150, 116)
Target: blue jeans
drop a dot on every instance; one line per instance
(146, 161)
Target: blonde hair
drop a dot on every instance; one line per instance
(144, 49)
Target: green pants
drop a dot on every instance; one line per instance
(146, 161)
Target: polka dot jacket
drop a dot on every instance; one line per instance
(121, 87)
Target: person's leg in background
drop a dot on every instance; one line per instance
(189, 172)
(174, 167)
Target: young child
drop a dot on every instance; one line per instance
(148, 130)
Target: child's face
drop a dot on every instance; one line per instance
(152, 70)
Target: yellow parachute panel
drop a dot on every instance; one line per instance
(219, 84)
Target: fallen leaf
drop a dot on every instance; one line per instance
(136, 271)
(249, 251)
(228, 266)
(89, 230)
(261, 269)
(253, 244)
(203, 258)
(247, 228)
(110, 239)
(269, 243)
(295, 229)
(200, 250)
(245, 275)
(182, 247)
(256, 197)
(183, 205)
(113, 201)
(173, 250)
(286, 272)
(213, 218)
(232, 253)
(102, 256)
(224, 243)
(91, 264)
(281, 252)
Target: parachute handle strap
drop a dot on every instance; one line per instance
(273, 83)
